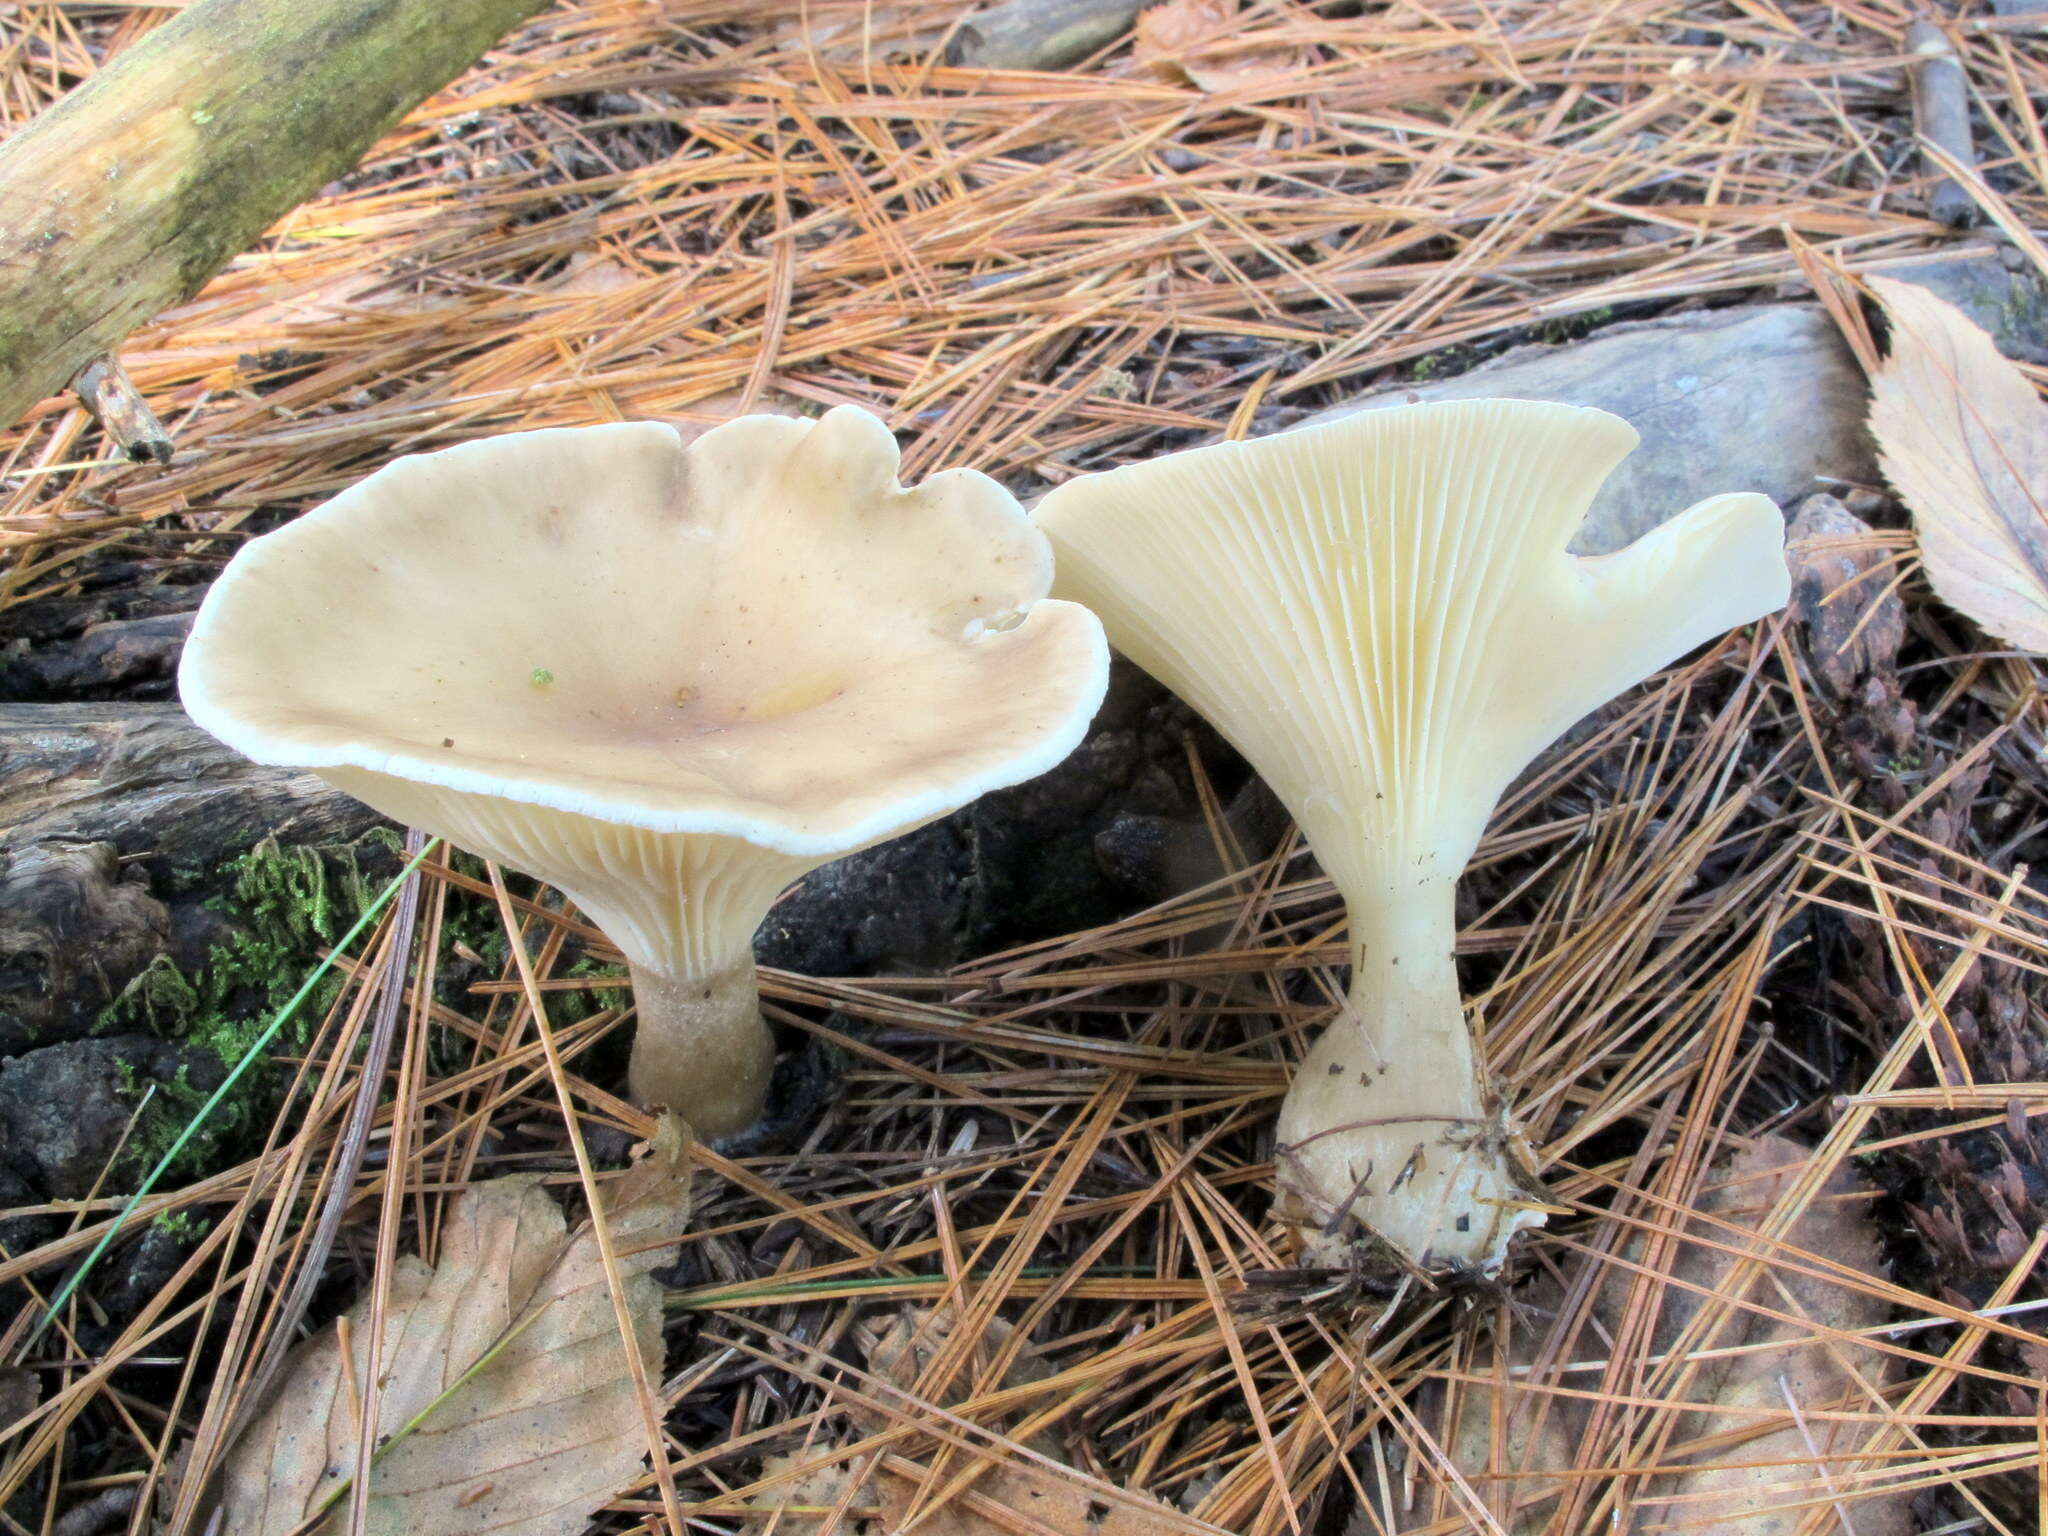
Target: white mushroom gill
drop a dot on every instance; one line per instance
(1381, 614)
(668, 680)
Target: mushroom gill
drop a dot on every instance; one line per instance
(1382, 615)
(668, 680)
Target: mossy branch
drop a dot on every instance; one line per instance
(125, 197)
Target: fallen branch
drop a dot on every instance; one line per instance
(147, 780)
(128, 195)
(1941, 115)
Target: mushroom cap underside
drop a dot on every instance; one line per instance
(1382, 613)
(761, 635)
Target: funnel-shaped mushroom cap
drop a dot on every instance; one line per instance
(640, 670)
(1381, 614)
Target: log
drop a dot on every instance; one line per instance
(145, 779)
(115, 823)
(128, 195)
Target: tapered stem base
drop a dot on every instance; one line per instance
(703, 1049)
(1388, 1137)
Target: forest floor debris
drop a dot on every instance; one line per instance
(1781, 896)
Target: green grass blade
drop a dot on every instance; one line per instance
(249, 1057)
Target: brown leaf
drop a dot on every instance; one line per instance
(506, 1394)
(1520, 1442)
(1197, 39)
(1736, 1488)
(1964, 438)
(1011, 1497)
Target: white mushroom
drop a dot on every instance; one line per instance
(1381, 614)
(668, 680)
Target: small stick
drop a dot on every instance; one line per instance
(1941, 115)
(107, 391)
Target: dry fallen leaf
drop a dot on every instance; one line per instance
(1964, 438)
(1738, 1488)
(1520, 1442)
(1007, 1498)
(1196, 39)
(507, 1396)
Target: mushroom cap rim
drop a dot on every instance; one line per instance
(1271, 442)
(772, 829)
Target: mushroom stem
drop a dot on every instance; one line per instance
(1390, 1129)
(702, 1048)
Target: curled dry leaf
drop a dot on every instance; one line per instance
(508, 1403)
(1962, 435)
(1197, 40)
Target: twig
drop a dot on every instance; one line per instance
(107, 391)
(355, 1140)
(1941, 114)
(96, 1514)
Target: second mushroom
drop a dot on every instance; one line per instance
(669, 680)
(1382, 615)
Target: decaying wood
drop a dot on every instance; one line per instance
(107, 391)
(1941, 115)
(105, 810)
(124, 198)
(73, 932)
(147, 780)
(1042, 34)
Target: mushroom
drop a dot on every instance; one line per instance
(1381, 614)
(668, 680)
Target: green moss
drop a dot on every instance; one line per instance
(1571, 327)
(285, 903)
(574, 1007)
(184, 1226)
(472, 921)
(1444, 363)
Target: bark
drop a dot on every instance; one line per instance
(147, 780)
(125, 197)
(95, 799)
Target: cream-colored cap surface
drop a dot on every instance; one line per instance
(761, 636)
